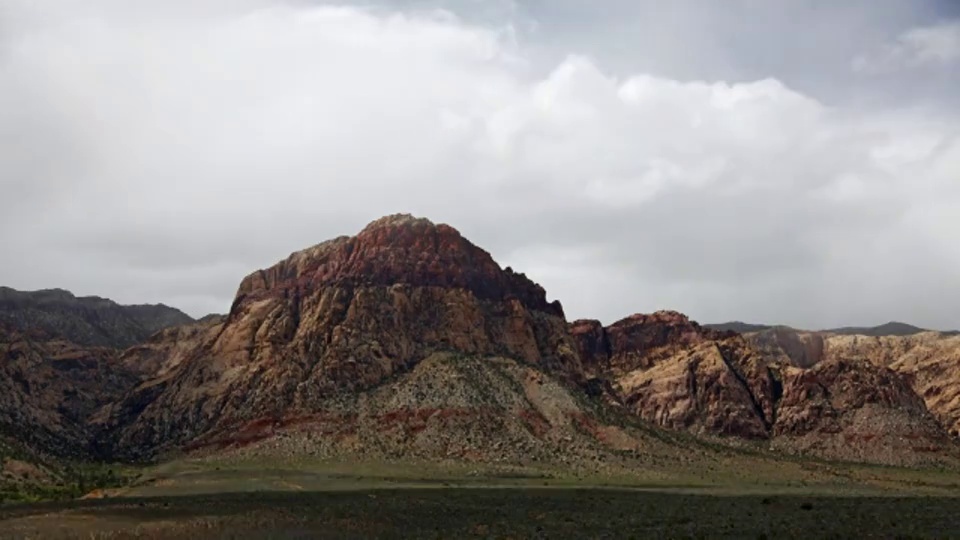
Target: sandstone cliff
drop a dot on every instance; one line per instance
(775, 385)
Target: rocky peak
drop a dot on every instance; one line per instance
(397, 250)
(344, 316)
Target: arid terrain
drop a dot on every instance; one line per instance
(400, 379)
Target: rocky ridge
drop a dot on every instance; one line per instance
(85, 321)
(774, 388)
(928, 361)
(408, 340)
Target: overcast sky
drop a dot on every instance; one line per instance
(791, 162)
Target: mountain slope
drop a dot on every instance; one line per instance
(49, 389)
(397, 340)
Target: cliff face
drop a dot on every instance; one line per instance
(857, 411)
(670, 371)
(929, 362)
(798, 391)
(341, 317)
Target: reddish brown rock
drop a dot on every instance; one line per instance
(857, 411)
(670, 371)
(49, 387)
(928, 361)
(777, 384)
(593, 345)
(345, 316)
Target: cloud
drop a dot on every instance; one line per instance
(162, 156)
(921, 47)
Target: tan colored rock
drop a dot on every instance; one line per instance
(929, 362)
(670, 371)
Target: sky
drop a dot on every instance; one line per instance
(793, 162)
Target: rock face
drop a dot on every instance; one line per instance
(670, 371)
(857, 411)
(776, 385)
(345, 316)
(929, 362)
(86, 321)
(49, 388)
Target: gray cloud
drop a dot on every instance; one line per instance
(933, 46)
(162, 154)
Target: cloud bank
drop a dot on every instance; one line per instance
(161, 155)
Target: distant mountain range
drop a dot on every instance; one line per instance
(86, 320)
(892, 328)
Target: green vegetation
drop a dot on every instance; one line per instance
(66, 481)
(733, 495)
(485, 513)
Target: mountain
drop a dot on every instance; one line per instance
(888, 329)
(737, 326)
(929, 362)
(340, 319)
(892, 328)
(86, 321)
(408, 339)
(58, 365)
(671, 371)
(48, 389)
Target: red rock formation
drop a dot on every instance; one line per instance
(345, 316)
(857, 411)
(397, 250)
(669, 370)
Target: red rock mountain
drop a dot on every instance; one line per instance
(343, 316)
(407, 339)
